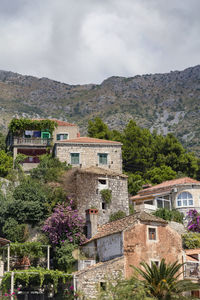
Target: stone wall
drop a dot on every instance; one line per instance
(88, 281)
(89, 155)
(72, 132)
(88, 194)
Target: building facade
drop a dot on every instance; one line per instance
(182, 194)
(88, 152)
(122, 243)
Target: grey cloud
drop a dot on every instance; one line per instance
(87, 41)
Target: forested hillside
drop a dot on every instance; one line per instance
(166, 102)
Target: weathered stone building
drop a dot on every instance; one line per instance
(85, 186)
(88, 152)
(182, 194)
(129, 241)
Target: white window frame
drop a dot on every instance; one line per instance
(71, 158)
(104, 153)
(153, 260)
(184, 199)
(156, 232)
(60, 133)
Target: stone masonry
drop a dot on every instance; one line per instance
(89, 280)
(90, 182)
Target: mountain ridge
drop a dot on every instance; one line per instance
(167, 102)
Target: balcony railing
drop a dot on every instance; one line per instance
(31, 141)
(192, 270)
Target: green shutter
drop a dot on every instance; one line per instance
(75, 158)
(103, 158)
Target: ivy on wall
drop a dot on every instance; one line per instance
(106, 195)
(18, 126)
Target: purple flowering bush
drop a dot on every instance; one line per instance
(65, 225)
(193, 220)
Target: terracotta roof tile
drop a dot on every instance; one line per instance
(87, 140)
(99, 264)
(60, 123)
(100, 171)
(164, 186)
(124, 223)
(192, 251)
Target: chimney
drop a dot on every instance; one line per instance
(78, 134)
(91, 222)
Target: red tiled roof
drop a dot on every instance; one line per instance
(88, 140)
(192, 251)
(164, 186)
(124, 223)
(60, 123)
(4, 242)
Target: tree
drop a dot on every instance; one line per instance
(29, 203)
(159, 174)
(135, 183)
(162, 282)
(2, 141)
(6, 163)
(169, 215)
(98, 129)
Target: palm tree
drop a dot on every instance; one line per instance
(162, 282)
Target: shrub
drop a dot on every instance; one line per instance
(118, 215)
(169, 215)
(193, 220)
(191, 240)
(14, 231)
(106, 195)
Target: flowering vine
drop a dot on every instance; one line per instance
(65, 224)
(193, 220)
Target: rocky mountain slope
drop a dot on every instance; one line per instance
(166, 102)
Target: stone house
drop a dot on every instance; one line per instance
(85, 187)
(191, 259)
(85, 152)
(182, 194)
(119, 244)
(34, 143)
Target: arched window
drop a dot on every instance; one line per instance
(184, 199)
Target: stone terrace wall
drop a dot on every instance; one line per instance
(88, 280)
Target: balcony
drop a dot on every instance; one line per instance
(192, 270)
(20, 141)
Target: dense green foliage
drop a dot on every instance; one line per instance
(6, 163)
(146, 156)
(18, 126)
(191, 240)
(2, 141)
(35, 277)
(63, 257)
(117, 215)
(120, 289)
(49, 169)
(169, 215)
(14, 231)
(163, 283)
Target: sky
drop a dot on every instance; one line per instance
(87, 41)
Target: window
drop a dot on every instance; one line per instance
(152, 233)
(62, 136)
(103, 158)
(75, 158)
(163, 203)
(156, 262)
(184, 199)
(103, 205)
(103, 286)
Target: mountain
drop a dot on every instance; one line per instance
(166, 102)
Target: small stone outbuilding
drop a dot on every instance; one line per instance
(125, 242)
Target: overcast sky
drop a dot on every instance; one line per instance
(86, 41)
